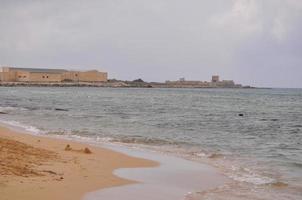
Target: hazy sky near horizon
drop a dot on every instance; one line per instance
(254, 42)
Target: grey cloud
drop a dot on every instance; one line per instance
(245, 40)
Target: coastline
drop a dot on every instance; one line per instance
(36, 167)
(175, 179)
(118, 84)
(73, 174)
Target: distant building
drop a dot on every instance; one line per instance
(215, 79)
(215, 83)
(13, 74)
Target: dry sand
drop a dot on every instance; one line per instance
(33, 167)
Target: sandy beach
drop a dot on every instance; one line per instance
(35, 167)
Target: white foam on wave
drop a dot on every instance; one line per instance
(235, 169)
(10, 108)
(18, 125)
(89, 140)
(104, 139)
(201, 154)
(231, 170)
(228, 166)
(249, 176)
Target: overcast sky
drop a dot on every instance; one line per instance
(254, 42)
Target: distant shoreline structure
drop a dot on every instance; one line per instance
(41, 75)
(214, 83)
(12, 76)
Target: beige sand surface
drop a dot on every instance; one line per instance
(33, 167)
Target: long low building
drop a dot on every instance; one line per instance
(13, 74)
(214, 83)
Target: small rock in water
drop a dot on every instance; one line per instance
(60, 109)
(241, 114)
(3, 113)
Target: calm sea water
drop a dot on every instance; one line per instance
(254, 136)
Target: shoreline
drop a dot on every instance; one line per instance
(85, 176)
(37, 167)
(175, 179)
(118, 84)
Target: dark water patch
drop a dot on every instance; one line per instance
(81, 115)
(56, 132)
(272, 120)
(297, 165)
(61, 109)
(289, 147)
(145, 140)
(295, 131)
(84, 132)
(95, 116)
(37, 108)
(31, 108)
(297, 126)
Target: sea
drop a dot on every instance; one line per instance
(252, 136)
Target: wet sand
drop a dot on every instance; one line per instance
(36, 167)
(174, 179)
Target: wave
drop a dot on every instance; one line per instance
(236, 173)
(249, 176)
(234, 168)
(8, 109)
(11, 108)
(297, 126)
(28, 128)
(143, 140)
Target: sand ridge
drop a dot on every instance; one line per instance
(19, 159)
